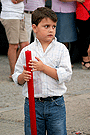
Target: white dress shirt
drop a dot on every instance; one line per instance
(55, 56)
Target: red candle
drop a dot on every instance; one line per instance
(31, 96)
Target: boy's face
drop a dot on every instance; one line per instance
(45, 31)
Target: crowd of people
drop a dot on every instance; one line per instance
(53, 29)
(12, 18)
(71, 15)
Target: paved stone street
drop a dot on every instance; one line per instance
(77, 100)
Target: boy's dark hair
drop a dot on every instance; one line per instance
(41, 13)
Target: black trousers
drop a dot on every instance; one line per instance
(84, 33)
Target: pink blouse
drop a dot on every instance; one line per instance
(64, 7)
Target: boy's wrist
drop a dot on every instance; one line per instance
(21, 80)
(43, 68)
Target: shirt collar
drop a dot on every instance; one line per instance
(38, 42)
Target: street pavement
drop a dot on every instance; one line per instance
(77, 99)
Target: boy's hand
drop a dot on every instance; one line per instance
(26, 74)
(36, 65)
(24, 77)
(39, 66)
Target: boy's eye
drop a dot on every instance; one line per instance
(54, 26)
(46, 26)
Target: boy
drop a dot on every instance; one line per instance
(51, 68)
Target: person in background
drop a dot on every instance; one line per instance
(83, 24)
(29, 7)
(12, 18)
(66, 26)
(48, 3)
(51, 68)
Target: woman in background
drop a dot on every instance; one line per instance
(83, 24)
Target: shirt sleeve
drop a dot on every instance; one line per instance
(19, 67)
(64, 71)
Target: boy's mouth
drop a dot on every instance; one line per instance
(50, 35)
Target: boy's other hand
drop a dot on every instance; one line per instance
(36, 65)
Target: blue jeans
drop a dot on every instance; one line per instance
(50, 116)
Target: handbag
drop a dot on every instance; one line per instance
(86, 8)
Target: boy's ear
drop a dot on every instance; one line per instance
(34, 28)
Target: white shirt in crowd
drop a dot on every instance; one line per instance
(11, 10)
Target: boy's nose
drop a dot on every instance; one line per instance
(51, 29)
